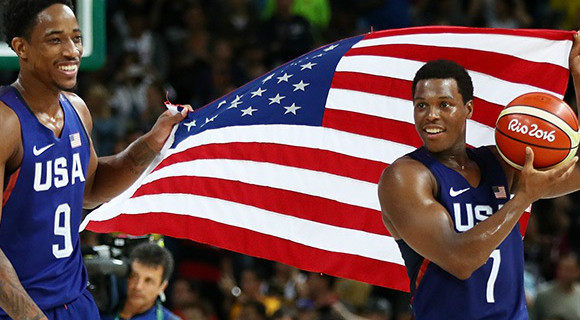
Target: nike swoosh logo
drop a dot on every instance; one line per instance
(454, 193)
(38, 152)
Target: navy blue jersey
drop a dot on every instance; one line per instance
(495, 290)
(39, 227)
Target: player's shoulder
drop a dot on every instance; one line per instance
(8, 118)
(74, 99)
(81, 107)
(10, 144)
(405, 170)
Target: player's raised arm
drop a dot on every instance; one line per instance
(574, 62)
(571, 184)
(108, 176)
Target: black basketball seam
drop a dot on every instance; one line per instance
(550, 112)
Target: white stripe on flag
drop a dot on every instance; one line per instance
(302, 136)
(387, 107)
(526, 48)
(344, 190)
(310, 233)
(485, 86)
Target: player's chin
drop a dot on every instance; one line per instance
(434, 145)
(68, 85)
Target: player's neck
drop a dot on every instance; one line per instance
(37, 96)
(456, 162)
(456, 158)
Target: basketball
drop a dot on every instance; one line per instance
(542, 121)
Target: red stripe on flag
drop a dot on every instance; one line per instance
(286, 202)
(524, 220)
(552, 77)
(260, 245)
(484, 112)
(533, 33)
(369, 83)
(376, 127)
(299, 157)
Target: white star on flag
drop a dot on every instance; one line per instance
(284, 78)
(276, 99)
(300, 86)
(292, 109)
(235, 104)
(189, 125)
(248, 111)
(332, 47)
(308, 65)
(268, 78)
(258, 92)
(208, 120)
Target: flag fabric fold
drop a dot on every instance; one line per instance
(286, 167)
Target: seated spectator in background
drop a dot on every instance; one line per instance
(252, 288)
(284, 282)
(197, 311)
(252, 310)
(560, 298)
(104, 123)
(151, 267)
(378, 309)
(187, 300)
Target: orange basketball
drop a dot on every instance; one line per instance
(542, 121)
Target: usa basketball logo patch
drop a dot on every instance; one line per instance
(75, 140)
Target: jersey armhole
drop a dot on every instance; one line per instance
(9, 185)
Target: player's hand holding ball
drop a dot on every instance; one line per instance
(541, 121)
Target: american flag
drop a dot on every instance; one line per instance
(499, 192)
(286, 167)
(75, 140)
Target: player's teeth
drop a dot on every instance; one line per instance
(68, 68)
(433, 130)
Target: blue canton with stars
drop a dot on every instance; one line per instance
(294, 93)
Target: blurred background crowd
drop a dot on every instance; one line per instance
(198, 50)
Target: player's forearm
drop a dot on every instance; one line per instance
(13, 298)
(477, 244)
(114, 174)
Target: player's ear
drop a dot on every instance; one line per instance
(20, 47)
(469, 106)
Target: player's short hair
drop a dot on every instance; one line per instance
(19, 16)
(446, 69)
(152, 255)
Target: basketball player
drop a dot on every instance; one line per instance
(49, 168)
(448, 206)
